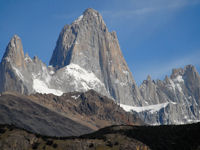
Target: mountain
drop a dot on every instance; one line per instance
(67, 115)
(87, 56)
(22, 74)
(88, 44)
(182, 137)
(176, 100)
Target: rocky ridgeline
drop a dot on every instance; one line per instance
(71, 114)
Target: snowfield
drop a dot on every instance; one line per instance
(150, 108)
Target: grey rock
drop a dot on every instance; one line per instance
(12, 59)
(181, 93)
(25, 75)
(88, 43)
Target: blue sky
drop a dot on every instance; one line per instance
(155, 35)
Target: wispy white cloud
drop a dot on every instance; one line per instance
(144, 7)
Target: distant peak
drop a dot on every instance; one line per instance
(16, 37)
(91, 10)
(14, 52)
(148, 78)
(176, 72)
(15, 40)
(13, 45)
(90, 15)
(189, 67)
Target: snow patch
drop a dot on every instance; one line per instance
(121, 83)
(75, 97)
(18, 73)
(87, 79)
(179, 87)
(95, 14)
(51, 72)
(176, 83)
(125, 72)
(178, 79)
(28, 59)
(41, 87)
(150, 108)
(7, 59)
(76, 43)
(79, 19)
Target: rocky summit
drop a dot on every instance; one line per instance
(88, 44)
(87, 56)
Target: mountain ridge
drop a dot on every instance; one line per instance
(71, 114)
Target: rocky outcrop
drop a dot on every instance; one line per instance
(12, 59)
(181, 94)
(88, 43)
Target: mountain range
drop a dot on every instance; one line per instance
(87, 56)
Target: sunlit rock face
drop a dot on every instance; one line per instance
(87, 56)
(175, 100)
(88, 44)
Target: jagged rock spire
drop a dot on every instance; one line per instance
(14, 52)
(88, 43)
(148, 78)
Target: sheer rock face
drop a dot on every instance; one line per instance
(14, 52)
(13, 58)
(17, 71)
(182, 93)
(88, 43)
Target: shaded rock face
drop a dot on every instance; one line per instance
(182, 93)
(88, 43)
(23, 112)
